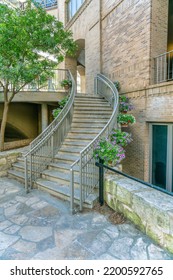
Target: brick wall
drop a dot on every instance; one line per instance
(126, 42)
(154, 104)
(85, 25)
(123, 46)
(159, 31)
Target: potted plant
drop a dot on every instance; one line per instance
(66, 84)
(124, 104)
(121, 138)
(110, 154)
(61, 105)
(125, 119)
(117, 85)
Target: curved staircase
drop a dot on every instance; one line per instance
(91, 114)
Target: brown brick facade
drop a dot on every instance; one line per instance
(122, 37)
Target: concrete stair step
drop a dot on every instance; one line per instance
(85, 130)
(65, 158)
(59, 177)
(88, 96)
(88, 125)
(85, 103)
(92, 117)
(88, 121)
(81, 144)
(89, 109)
(63, 192)
(81, 137)
(17, 175)
(71, 150)
(73, 140)
(98, 104)
(18, 166)
(62, 167)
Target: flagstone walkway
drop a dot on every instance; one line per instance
(40, 227)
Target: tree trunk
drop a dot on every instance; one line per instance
(3, 125)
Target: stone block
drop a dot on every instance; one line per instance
(168, 242)
(110, 185)
(170, 215)
(131, 215)
(155, 233)
(111, 201)
(3, 161)
(3, 173)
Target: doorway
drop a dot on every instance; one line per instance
(161, 155)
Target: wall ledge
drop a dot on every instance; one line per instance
(150, 210)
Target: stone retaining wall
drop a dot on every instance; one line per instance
(6, 160)
(149, 209)
(17, 144)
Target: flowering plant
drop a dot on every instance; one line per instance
(61, 105)
(108, 152)
(124, 104)
(117, 137)
(126, 119)
(65, 83)
(117, 85)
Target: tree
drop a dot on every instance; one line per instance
(23, 35)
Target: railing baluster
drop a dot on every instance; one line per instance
(44, 147)
(88, 173)
(163, 67)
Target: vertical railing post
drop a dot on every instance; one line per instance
(96, 85)
(52, 144)
(31, 171)
(26, 175)
(72, 190)
(80, 181)
(101, 182)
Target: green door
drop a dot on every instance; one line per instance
(161, 156)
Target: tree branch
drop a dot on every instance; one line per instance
(2, 84)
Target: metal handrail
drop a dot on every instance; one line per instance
(56, 120)
(102, 166)
(7, 2)
(163, 67)
(46, 145)
(89, 176)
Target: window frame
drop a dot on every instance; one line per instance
(169, 163)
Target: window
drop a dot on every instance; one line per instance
(72, 7)
(46, 3)
(161, 153)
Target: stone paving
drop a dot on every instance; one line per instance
(37, 226)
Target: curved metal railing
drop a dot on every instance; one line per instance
(45, 146)
(89, 175)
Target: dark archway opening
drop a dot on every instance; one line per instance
(13, 134)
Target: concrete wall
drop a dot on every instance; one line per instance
(23, 117)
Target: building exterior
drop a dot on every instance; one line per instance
(125, 40)
(130, 41)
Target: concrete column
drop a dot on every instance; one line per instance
(71, 64)
(82, 79)
(81, 71)
(44, 116)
